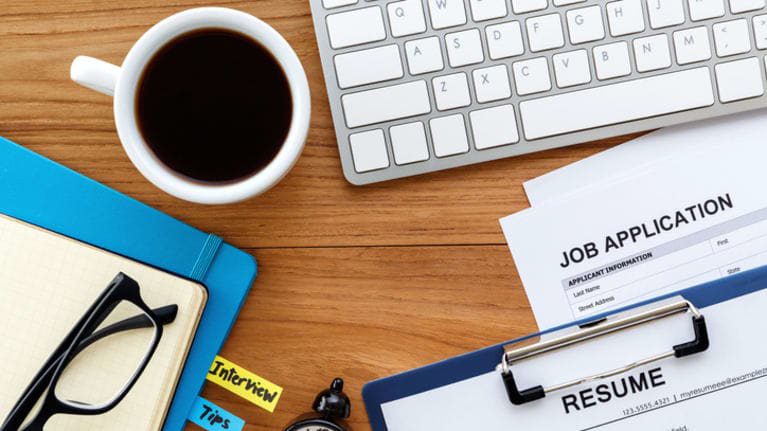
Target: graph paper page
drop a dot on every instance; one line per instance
(47, 282)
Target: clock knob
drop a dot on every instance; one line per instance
(333, 402)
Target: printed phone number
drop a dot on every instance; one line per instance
(644, 407)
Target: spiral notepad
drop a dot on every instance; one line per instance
(47, 282)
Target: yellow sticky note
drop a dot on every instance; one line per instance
(242, 382)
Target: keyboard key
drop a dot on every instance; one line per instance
(494, 127)
(616, 103)
(483, 10)
(692, 45)
(652, 53)
(665, 13)
(406, 18)
(740, 6)
(451, 91)
(369, 151)
(760, 31)
(531, 76)
(447, 13)
(612, 60)
(386, 104)
(424, 55)
(524, 6)
(585, 24)
(448, 135)
(545, 32)
(625, 17)
(408, 143)
(464, 48)
(356, 27)
(732, 37)
(705, 9)
(738, 80)
(567, 2)
(492, 83)
(330, 4)
(572, 68)
(504, 40)
(366, 67)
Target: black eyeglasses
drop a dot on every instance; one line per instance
(74, 380)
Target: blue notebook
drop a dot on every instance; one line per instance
(468, 391)
(44, 193)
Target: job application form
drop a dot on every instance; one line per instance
(682, 223)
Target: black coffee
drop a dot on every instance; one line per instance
(214, 105)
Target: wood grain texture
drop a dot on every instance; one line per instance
(357, 282)
(368, 312)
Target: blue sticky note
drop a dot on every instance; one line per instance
(214, 418)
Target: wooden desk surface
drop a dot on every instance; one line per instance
(354, 282)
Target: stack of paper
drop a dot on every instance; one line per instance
(667, 211)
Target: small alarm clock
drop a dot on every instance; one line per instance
(331, 407)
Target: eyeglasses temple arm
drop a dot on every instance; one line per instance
(165, 315)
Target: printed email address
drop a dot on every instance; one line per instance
(711, 387)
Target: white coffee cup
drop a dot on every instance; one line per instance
(122, 83)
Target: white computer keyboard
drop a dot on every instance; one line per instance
(423, 85)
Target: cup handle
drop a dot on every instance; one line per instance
(95, 74)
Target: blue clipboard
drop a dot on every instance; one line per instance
(44, 193)
(486, 360)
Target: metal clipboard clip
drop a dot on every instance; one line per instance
(513, 353)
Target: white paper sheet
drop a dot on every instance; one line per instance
(641, 154)
(720, 389)
(685, 222)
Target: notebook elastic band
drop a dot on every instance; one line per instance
(206, 257)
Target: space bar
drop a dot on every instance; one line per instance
(617, 103)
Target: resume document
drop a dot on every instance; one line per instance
(720, 389)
